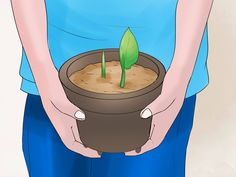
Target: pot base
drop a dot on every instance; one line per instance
(120, 133)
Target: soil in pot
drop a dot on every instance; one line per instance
(89, 78)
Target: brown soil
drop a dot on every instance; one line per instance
(89, 78)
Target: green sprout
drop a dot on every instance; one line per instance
(103, 65)
(128, 53)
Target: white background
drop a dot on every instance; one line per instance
(211, 150)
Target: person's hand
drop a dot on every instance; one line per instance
(63, 114)
(164, 110)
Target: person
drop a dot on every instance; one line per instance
(51, 32)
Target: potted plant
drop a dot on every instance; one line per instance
(112, 86)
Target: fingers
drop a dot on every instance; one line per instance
(67, 130)
(75, 144)
(79, 115)
(60, 116)
(146, 113)
(75, 134)
(67, 108)
(157, 106)
(79, 147)
(87, 152)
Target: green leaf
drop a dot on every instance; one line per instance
(128, 50)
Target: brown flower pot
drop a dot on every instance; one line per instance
(113, 122)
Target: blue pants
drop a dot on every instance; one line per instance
(46, 155)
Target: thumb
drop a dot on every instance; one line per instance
(160, 104)
(69, 109)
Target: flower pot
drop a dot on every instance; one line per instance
(113, 122)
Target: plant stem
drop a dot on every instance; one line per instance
(103, 66)
(122, 81)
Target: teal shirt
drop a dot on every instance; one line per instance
(77, 26)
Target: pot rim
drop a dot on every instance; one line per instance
(107, 96)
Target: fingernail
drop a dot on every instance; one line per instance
(80, 115)
(146, 113)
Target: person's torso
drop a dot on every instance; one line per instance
(77, 26)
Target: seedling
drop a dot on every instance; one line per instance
(103, 65)
(128, 53)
